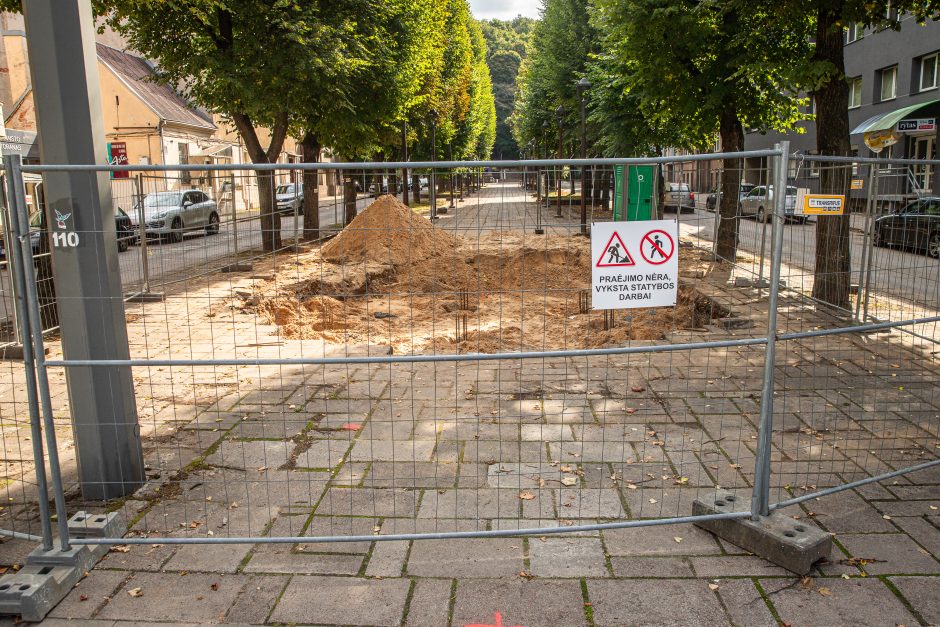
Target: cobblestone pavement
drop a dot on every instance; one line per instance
(371, 450)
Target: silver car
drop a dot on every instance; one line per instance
(759, 203)
(679, 197)
(290, 198)
(171, 214)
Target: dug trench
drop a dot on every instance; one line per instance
(392, 278)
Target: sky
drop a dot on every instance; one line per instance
(504, 9)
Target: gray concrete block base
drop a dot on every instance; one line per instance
(145, 297)
(236, 267)
(33, 591)
(80, 556)
(85, 525)
(777, 538)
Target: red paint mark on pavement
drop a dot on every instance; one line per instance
(352, 426)
(497, 622)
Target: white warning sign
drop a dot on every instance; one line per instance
(636, 264)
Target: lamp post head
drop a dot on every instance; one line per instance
(433, 114)
(560, 113)
(545, 125)
(583, 85)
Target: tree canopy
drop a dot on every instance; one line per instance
(506, 47)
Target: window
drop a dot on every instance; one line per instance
(855, 92)
(928, 72)
(889, 80)
(854, 32)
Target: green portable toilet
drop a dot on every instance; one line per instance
(639, 197)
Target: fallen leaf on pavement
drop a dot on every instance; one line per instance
(525, 495)
(807, 582)
(135, 592)
(677, 539)
(82, 597)
(569, 481)
(638, 388)
(713, 586)
(826, 592)
(215, 586)
(121, 548)
(526, 575)
(653, 501)
(631, 410)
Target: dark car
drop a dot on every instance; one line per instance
(122, 224)
(916, 226)
(714, 198)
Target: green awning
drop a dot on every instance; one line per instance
(885, 121)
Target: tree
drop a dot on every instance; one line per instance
(238, 58)
(506, 43)
(699, 68)
(827, 81)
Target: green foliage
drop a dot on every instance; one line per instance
(506, 45)
(563, 43)
(685, 63)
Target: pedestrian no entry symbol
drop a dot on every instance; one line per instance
(615, 254)
(635, 264)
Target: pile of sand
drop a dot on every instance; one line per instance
(389, 232)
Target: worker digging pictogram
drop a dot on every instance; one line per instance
(615, 253)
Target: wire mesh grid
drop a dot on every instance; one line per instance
(273, 447)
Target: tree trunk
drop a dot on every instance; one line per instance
(833, 264)
(416, 188)
(349, 198)
(311, 202)
(732, 140)
(270, 218)
(587, 184)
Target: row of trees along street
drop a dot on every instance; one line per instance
(343, 74)
(676, 73)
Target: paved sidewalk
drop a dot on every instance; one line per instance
(378, 449)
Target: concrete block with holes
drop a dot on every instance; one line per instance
(778, 538)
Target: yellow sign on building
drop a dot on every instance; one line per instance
(822, 205)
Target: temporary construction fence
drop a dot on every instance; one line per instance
(438, 371)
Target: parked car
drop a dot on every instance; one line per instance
(714, 198)
(171, 214)
(122, 225)
(679, 197)
(759, 203)
(916, 225)
(290, 198)
(382, 187)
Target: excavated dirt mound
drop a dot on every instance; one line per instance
(392, 278)
(388, 232)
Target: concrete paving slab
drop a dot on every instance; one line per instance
(923, 593)
(531, 603)
(660, 540)
(342, 601)
(173, 597)
(654, 602)
(489, 557)
(430, 603)
(894, 553)
(567, 557)
(859, 601)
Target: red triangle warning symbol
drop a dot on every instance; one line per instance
(615, 254)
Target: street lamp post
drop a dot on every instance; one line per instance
(450, 154)
(432, 180)
(560, 114)
(404, 157)
(583, 85)
(545, 185)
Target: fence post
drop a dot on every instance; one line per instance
(28, 279)
(760, 498)
(14, 254)
(870, 232)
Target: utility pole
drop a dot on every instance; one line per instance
(64, 71)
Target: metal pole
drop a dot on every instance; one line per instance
(583, 167)
(760, 499)
(14, 252)
(142, 235)
(89, 299)
(234, 222)
(28, 276)
(11, 263)
(404, 157)
(873, 193)
(560, 112)
(297, 226)
(862, 268)
(451, 157)
(763, 246)
(432, 180)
